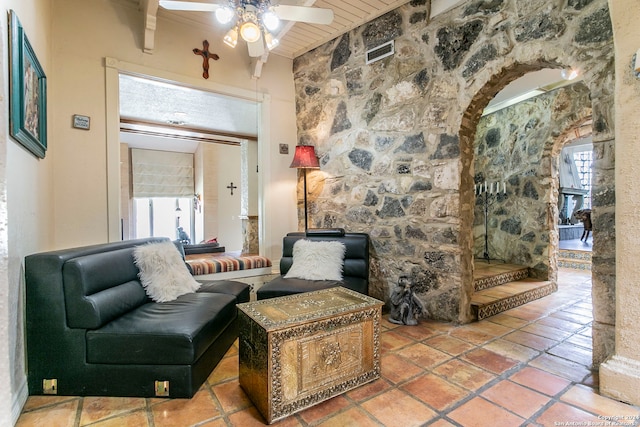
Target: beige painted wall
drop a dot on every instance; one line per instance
(220, 209)
(202, 220)
(104, 30)
(26, 212)
(228, 159)
(620, 375)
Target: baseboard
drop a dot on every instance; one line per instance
(19, 400)
(620, 379)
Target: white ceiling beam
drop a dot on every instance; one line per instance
(257, 63)
(150, 10)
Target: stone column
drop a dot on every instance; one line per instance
(620, 374)
(250, 235)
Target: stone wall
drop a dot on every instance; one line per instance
(250, 234)
(520, 146)
(396, 138)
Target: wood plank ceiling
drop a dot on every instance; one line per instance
(296, 38)
(302, 37)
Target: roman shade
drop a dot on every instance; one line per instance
(161, 173)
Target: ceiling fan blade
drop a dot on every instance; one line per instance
(256, 48)
(312, 15)
(191, 6)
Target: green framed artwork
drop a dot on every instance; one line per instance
(28, 92)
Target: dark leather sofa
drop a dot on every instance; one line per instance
(355, 270)
(91, 328)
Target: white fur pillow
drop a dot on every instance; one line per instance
(163, 273)
(322, 260)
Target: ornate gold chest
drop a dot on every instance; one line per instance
(299, 350)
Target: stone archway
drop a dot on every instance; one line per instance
(470, 177)
(568, 107)
(519, 146)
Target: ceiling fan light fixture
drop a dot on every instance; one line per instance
(253, 20)
(270, 20)
(250, 32)
(231, 38)
(271, 41)
(225, 14)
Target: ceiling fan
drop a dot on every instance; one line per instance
(254, 20)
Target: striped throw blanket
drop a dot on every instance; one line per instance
(221, 263)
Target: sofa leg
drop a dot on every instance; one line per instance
(50, 386)
(162, 388)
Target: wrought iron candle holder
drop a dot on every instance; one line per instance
(488, 194)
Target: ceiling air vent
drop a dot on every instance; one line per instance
(379, 52)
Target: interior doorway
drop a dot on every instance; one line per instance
(218, 132)
(517, 185)
(262, 102)
(576, 178)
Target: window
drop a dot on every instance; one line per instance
(162, 216)
(584, 161)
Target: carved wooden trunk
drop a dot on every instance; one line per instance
(299, 350)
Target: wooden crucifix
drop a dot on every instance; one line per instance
(206, 56)
(231, 187)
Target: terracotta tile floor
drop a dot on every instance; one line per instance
(528, 366)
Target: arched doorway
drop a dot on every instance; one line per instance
(521, 148)
(516, 155)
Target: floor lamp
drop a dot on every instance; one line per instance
(305, 158)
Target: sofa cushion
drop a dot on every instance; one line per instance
(163, 273)
(317, 260)
(171, 333)
(281, 286)
(356, 258)
(355, 267)
(99, 287)
(180, 247)
(240, 290)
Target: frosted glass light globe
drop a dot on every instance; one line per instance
(224, 15)
(270, 20)
(250, 32)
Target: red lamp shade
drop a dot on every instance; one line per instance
(305, 158)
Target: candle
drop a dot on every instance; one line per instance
(475, 189)
(491, 192)
(485, 186)
(504, 187)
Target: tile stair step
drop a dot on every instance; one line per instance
(494, 300)
(575, 265)
(569, 254)
(488, 279)
(577, 260)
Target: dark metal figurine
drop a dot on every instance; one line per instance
(406, 308)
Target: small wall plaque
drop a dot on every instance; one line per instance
(81, 122)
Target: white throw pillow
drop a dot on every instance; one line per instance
(322, 260)
(163, 273)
